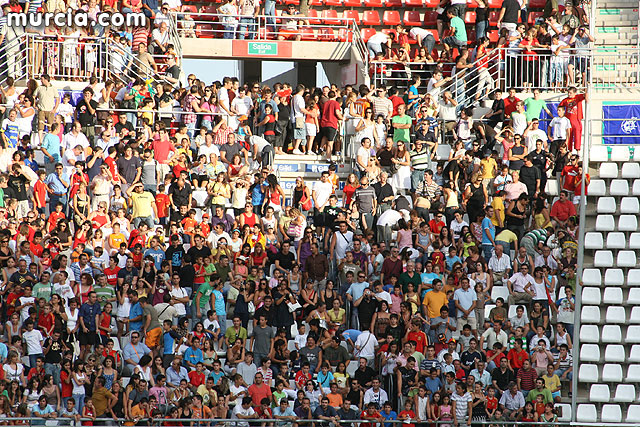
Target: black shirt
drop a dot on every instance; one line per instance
(84, 116)
(383, 191)
(18, 185)
(364, 377)
(498, 105)
(529, 175)
(270, 314)
(128, 168)
(55, 352)
(384, 157)
(511, 11)
(502, 379)
(173, 72)
(468, 359)
(127, 125)
(194, 252)
(286, 261)
(180, 195)
(174, 255)
(347, 416)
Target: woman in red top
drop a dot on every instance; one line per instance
(248, 217)
(350, 188)
(65, 380)
(82, 235)
(275, 194)
(259, 256)
(84, 287)
(482, 60)
(99, 218)
(104, 323)
(269, 123)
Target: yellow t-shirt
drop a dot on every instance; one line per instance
(141, 204)
(115, 239)
(552, 383)
(434, 302)
(507, 236)
(498, 211)
(488, 167)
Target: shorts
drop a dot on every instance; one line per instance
(88, 338)
(318, 218)
(153, 337)
(310, 129)
(555, 394)
(471, 321)
(329, 133)
(300, 133)
(45, 116)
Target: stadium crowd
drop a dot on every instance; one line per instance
(154, 266)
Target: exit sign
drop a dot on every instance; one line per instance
(263, 48)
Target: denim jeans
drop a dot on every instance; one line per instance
(140, 219)
(229, 31)
(32, 359)
(54, 371)
(374, 49)
(417, 175)
(481, 29)
(79, 398)
(247, 23)
(487, 251)
(428, 43)
(270, 11)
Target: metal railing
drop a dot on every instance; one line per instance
(264, 27)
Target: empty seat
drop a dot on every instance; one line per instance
(564, 412)
(614, 277)
(588, 373)
(634, 355)
(430, 18)
(551, 188)
(612, 295)
(391, 17)
(633, 277)
(593, 240)
(608, 170)
(470, 17)
(352, 367)
(371, 17)
(591, 296)
(586, 413)
(599, 393)
(615, 240)
(633, 374)
(605, 223)
(333, 2)
(629, 205)
(487, 310)
(625, 393)
(499, 292)
(598, 153)
(614, 353)
(626, 259)
(627, 223)
(634, 296)
(590, 314)
(603, 259)
(611, 413)
(412, 17)
(633, 334)
(606, 205)
(352, 3)
(591, 277)
(634, 241)
(635, 315)
(373, 3)
(597, 187)
(615, 314)
(352, 14)
(414, 3)
(611, 334)
(633, 414)
(314, 17)
(612, 373)
(589, 334)
(636, 186)
(590, 353)
(631, 170)
(619, 153)
(330, 17)
(366, 33)
(619, 187)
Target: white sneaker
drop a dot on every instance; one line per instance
(296, 151)
(311, 153)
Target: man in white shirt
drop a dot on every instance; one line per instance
(243, 412)
(362, 157)
(75, 137)
(366, 346)
(558, 130)
(533, 133)
(378, 43)
(375, 394)
(499, 265)
(520, 286)
(321, 192)
(424, 38)
(298, 111)
(447, 110)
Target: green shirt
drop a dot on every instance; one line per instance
(105, 295)
(461, 30)
(232, 335)
(208, 271)
(204, 289)
(534, 108)
(401, 134)
(43, 290)
(546, 393)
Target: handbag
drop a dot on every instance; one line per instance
(305, 202)
(251, 307)
(299, 122)
(293, 306)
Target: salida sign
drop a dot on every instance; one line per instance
(263, 48)
(269, 49)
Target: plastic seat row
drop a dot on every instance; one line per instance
(610, 170)
(621, 153)
(610, 413)
(611, 334)
(615, 240)
(612, 277)
(615, 314)
(628, 205)
(607, 222)
(617, 187)
(612, 295)
(625, 258)
(625, 393)
(614, 353)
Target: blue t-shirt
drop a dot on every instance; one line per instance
(428, 278)
(36, 410)
(390, 416)
(88, 313)
(257, 196)
(433, 385)
(12, 131)
(135, 311)
(220, 305)
(452, 260)
(216, 377)
(193, 356)
(157, 255)
(51, 143)
(487, 224)
(351, 334)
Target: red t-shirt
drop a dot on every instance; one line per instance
(196, 378)
(66, 388)
(510, 106)
(54, 217)
(161, 150)
(36, 249)
(420, 338)
(40, 192)
(517, 358)
(112, 275)
(570, 174)
(411, 415)
(396, 101)
(573, 107)
(329, 117)
(162, 203)
(259, 392)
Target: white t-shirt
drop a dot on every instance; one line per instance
(242, 105)
(239, 410)
(519, 122)
(379, 38)
(418, 33)
(24, 311)
(432, 90)
(323, 191)
(559, 127)
(298, 105)
(533, 137)
(448, 111)
(223, 95)
(367, 344)
(33, 339)
(363, 157)
(179, 293)
(72, 318)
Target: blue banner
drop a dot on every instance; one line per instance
(625, 126)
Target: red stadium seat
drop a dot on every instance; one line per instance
(207, 13)
(533, 16)
(391, 17)
(366, 33)
(472, 4)
(351, 14)
(345, 35)
(330, 17)
(326, 35)
(435, 35)
(431, 4)
(494, 36)
(307, 33)
(413, 3)
(204, 31)
(430, 18)
(315, 3)
(495, 4)
(536, 4)
(470, 18)
(371, 18)
(392, 3)
(373, 3)
(389, 31)
(412, 18)
(493, 18)
(333, 2)
(314, 17)
(352, 3)
(293, 2)
(189, 8)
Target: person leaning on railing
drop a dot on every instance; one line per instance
(291, 24)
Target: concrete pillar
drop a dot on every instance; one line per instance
(307, 73)
(251, 71)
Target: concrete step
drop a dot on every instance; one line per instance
(617, 4)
